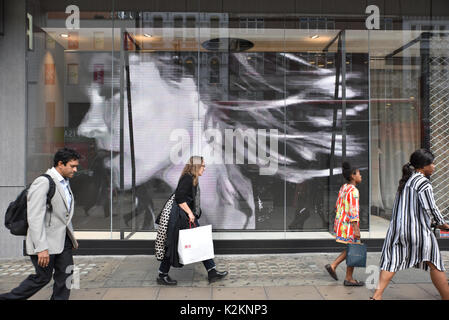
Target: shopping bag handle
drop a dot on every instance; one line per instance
(190, 224)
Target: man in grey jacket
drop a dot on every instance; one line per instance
(50, 237)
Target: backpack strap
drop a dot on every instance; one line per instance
(51, 190)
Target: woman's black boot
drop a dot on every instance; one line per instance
(164, 279)
(214, 275)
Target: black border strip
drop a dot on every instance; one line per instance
(146, 247)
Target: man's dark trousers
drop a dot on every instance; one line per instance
(59, 263)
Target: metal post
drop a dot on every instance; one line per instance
(334, 128)
(425, 89)
(122, 139)
(131, 134)
(334, 122)
(343, 96)
(111, 178)
(370, 167)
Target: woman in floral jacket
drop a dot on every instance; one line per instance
(346, 225)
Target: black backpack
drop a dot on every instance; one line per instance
(16, 214)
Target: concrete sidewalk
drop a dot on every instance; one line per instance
(251, 277)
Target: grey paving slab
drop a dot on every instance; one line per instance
(340, 292)
(136, 264)
(131, 275)
(152, 275)
(149, 283)
(203, 282)
(168, 293)
(246, 293)
(406, 292)
(87, 294)
(430, 289)
(293, 293)
(411, 276)
(92, 284)
(123, 283)
(96, 270)
(148, 293)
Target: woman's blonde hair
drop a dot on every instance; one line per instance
(193, 167)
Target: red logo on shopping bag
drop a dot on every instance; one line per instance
(187, 246)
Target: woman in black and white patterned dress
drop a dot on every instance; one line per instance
(410, 241)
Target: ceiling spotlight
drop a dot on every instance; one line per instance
(64, 35)
(315, 36)
(147, 35)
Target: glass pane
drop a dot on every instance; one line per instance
(310, 77)
(70, 85)
(357, 116)
(437, 91)
(395, 72)
(242, 121)
(158, 101)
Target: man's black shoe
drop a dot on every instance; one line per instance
(214, 275)
(166, 280)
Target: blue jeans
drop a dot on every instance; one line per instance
(165, 264)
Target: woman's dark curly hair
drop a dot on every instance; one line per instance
(418, 160)
(348, 171)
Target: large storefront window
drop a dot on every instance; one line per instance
(274, 102)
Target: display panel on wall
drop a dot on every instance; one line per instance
(272, 100)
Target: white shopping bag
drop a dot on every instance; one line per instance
(195, 244)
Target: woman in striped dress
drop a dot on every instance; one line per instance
(410, 241)
(346, 225)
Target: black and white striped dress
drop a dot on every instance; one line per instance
(410, 241)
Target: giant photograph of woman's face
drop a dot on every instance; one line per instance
(254, 92)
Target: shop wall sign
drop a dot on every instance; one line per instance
(372, 22)
(73, 20)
